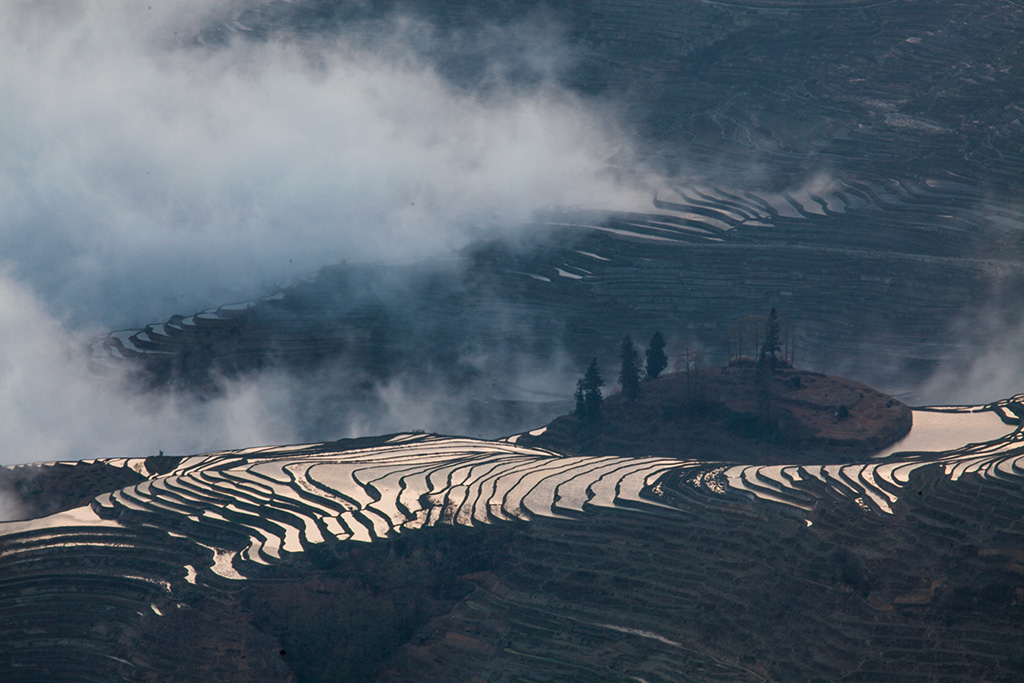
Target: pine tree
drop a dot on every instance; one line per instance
(629, 372)
(588, 393)
(656, 358)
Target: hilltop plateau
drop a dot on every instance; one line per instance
(733, 413)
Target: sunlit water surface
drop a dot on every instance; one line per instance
(943, 431)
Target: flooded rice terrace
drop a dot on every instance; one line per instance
(290, 499)
(936, 430)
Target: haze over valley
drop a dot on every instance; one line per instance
(165, 161)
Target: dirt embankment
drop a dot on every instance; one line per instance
(739, 414)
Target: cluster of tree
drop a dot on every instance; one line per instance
(632, 371)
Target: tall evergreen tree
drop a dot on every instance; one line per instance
(656, 358)
(629, 371)
(771, 347)
(580, 397)
(588, 393)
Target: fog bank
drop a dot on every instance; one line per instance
(145, 176)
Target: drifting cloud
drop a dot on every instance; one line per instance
(54, 409)
(990, 368)
(143, 176)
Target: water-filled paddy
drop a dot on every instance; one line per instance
(935, 431)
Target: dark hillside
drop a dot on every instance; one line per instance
(727, 414)
(37, 491)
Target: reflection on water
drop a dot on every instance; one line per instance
(943, 431)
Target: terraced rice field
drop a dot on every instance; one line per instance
(70, 580)
(855, 163)
(889, 281)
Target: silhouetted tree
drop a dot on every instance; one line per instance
(629, 370)
(769, 356)
(588, 393)
(656, 358)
